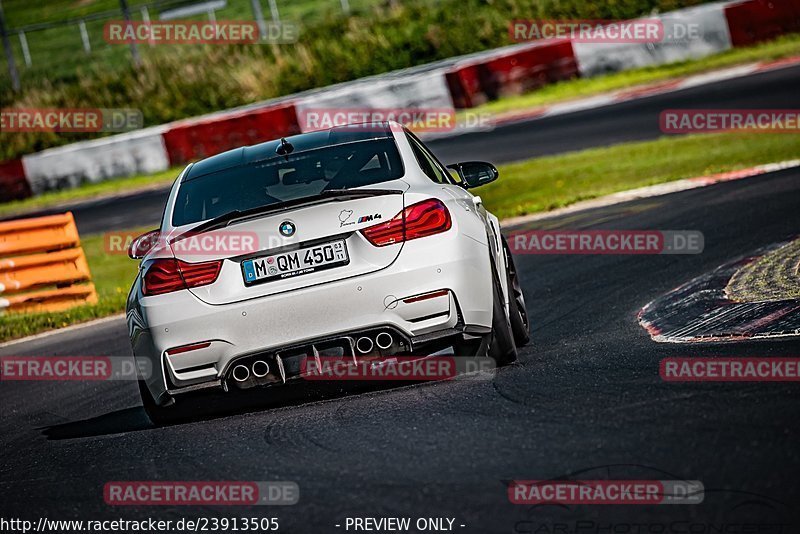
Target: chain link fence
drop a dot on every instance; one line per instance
(57, 49)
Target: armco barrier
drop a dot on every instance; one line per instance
(752, 21)
(13, 185)
(513, 72)
(128, 154)
(198, 138)
(42, 266)
(710, 36)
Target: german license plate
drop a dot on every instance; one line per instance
(295, 263)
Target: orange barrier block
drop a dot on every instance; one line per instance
(64, 267)
(52, 272)
(40, 234)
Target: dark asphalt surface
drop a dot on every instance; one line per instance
(585, 399)
(628, 121)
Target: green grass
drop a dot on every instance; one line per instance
(112, 275)
(24, 12)
(535, 185)
(552, 182)
(57, 52)
(783, 47)
(88, 191)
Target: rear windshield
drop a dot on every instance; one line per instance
(277, 180)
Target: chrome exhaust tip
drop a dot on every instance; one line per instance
(240, 373)
(364, 345)
(384, 340)
(260, 369)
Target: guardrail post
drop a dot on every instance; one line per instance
(273, 9)
(12, 67)
(258, 14)
(26, 53)
(87, 45)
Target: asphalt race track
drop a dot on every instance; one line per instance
(628, 121)
(585, 399)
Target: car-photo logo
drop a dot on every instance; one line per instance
(287, 229)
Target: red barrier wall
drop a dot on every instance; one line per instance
(13, 184)
(474, 83)
(753, 21)
(199, 138)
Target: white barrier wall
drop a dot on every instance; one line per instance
(688, 34)
(128, 154)
(423, 90)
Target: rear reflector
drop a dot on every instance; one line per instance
(187, 348)
(426, 296)
(422, 219)
(168, 275)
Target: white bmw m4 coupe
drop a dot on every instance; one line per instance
(354, 241)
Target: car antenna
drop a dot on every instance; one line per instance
(285, 148)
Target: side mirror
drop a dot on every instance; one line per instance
(143, 244)
(475, 173)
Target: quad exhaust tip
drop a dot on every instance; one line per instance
(384, 340)
(241, 373)
(364, 345)
(260, 369)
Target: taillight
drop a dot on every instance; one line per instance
(422, 219)
(200, 274)
(167, 275)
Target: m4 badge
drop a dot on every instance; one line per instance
(367, 218)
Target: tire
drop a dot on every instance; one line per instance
(517, 312)
(160, 415)
(502, 347)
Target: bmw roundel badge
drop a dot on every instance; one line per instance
(287, 229)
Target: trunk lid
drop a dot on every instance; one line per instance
(295, 248)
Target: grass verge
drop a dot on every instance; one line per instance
(535, 185)
(552, 182)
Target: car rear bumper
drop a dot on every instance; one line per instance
(388, 299)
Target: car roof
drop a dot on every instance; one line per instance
(301, 142)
